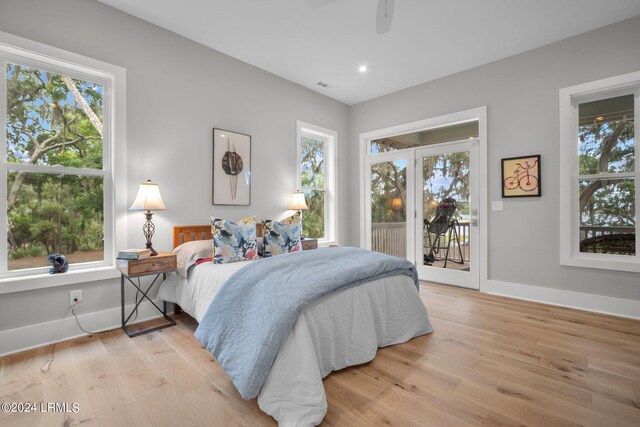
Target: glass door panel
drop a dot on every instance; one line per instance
(446, 187)
(389, 207)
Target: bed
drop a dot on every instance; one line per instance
(340, 329)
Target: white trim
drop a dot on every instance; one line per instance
(54, 170)
(4, 191)
(45, 280)
(559, 297)
(24, 48)
(473, 114)
(113, 79)
(41, 334)
(330, 176)
(568, 99)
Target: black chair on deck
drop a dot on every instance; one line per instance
(443, 224)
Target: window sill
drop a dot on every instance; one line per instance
(39, 281)
(613, 262)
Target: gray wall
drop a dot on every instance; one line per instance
(177, 91)
(521, 94)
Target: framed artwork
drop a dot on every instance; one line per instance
(521, 177)
(231, 168)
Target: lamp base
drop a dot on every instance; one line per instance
(153, 251)
(301, 232)
(148, 228)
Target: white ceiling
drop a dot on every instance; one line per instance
(307, 43)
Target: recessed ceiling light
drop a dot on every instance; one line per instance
(363, 68)
(599, 118)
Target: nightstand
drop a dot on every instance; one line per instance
(309, 244)
(159, 266)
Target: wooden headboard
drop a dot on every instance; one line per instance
(188, 233)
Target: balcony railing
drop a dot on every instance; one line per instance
(391, 238)
(608, 240)
(588, 232)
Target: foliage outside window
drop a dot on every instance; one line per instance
(53, 159)
(389, 192)
(606, 180)
(316, 178)
(599, 174)
(606, 177)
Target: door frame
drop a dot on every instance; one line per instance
(473, 114)
(466, 279)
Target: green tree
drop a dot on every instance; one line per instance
(313, 184)
(53, 120)
(607, 147)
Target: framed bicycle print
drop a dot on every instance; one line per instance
(521, 177)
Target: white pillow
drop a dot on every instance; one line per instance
(188, 253)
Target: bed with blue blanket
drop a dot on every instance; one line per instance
(278, 325)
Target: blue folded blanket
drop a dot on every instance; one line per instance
(254, 312)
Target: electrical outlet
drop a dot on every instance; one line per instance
(73, 295)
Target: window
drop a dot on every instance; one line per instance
(599, 192)
(56, 178)
(316, 179)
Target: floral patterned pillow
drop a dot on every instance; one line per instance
(232, 241)
(281, 237)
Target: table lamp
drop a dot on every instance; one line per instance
(298, 204)
(148, 199)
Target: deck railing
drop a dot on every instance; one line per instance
(587, 232)
(391, 238)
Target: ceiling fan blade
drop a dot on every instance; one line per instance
(316, 4)
(384, 16)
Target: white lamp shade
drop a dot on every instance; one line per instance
(148, 198)
(297, 202)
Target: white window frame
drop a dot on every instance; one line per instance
(330, 171)
(21, 51)
(569, 100)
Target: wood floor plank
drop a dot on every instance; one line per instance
(492, 361)
(62, 383)
(111, 398)
(157, 398)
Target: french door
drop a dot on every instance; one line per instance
(422, 204)
(446, 221)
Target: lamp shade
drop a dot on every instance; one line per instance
(297, 202)
(148, 198)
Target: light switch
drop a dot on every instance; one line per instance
(496, 205)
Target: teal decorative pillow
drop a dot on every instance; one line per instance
(233, 241)
(281, 237)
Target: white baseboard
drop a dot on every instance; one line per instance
(578, 300)
(32, 336)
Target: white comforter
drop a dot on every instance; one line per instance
(339, 330)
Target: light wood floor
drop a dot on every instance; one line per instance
(490, 361)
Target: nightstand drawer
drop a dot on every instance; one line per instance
(159, 263)
(309, 244)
